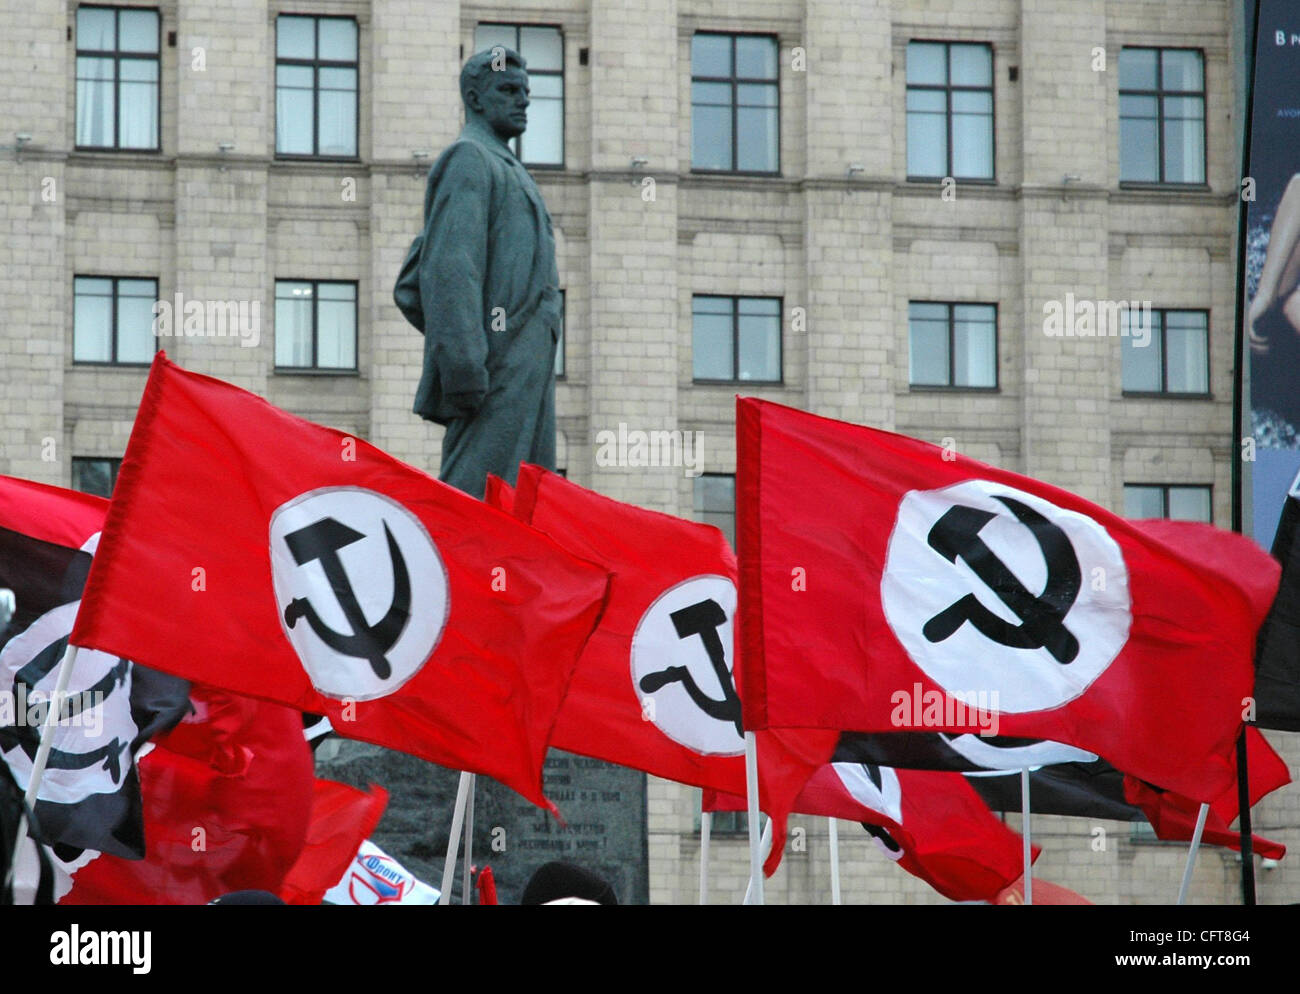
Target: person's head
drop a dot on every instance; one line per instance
(494, 87)
(566, 883)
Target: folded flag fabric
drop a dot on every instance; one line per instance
(316, 571)
(90, 793)
(227, 802)
(341, 819)
(888, 584)
(932, 824)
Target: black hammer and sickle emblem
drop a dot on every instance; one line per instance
(26, 735)
(702, 619)
(1042, 617)
(322, 540)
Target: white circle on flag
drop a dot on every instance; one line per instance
(360, 590)
(675, 666)
(885, 797)
(1054, 556)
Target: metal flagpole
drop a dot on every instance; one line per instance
(1191, 853)
(751, 792)
(1024, 831)
(835, 861)
(42, 753)
(751, 890)
(466, 892)
(706, 827)
(453, 842)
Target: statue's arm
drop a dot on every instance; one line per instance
(452, 273)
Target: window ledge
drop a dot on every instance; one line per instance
(738, 383)
(942, 388)
(306, 371)
(1163, 395)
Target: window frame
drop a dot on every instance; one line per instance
(735, 341)
(1164, 489)
(950, 386)
(1164, 393)
(947, 89)
(316, 369)
(112, 361)
(116, 55)
(562, 73)
(1160, 94)
(316, 64)
(735, 82)
(115, 467)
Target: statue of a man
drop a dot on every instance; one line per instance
(482, 285)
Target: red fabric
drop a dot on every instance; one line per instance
(206, 467)
(948, 836)
(650, 553)
(227, 796)
(487, 886)
(1045, 892)
(1173, 816)
(342, 818)
(499, 494)
(50, 514)
(823, 496)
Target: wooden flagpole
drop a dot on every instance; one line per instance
(751, 796)
(835, 860)
(706, 828)
(453, 842)
(466, 894)
(751, 890)
(1024, 833)
(1191, 853)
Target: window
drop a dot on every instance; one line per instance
(1161, 115)
(95, 476)
(117, 78)
(735, 104)
(1169, 354)
(952, 345)
(736, 338)
(315, 325)
(316, 87)
(715, 502)
(949, 110)
(542, 48)
(1181, 503)
(112, 319)
(559, 343)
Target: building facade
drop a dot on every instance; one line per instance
(1004, 226)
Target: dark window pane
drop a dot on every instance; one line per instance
(94, 476)
(755, 57)
(926, 63)
(1137, 69)
(711, 55)
(1143, 502)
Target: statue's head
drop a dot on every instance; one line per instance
(494, 87)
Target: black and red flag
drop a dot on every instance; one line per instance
(90, 793)
(1277, 661)
(298, 564)
(889, 584)
(931, 823)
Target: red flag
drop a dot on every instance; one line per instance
(653, 688)
(253, 550)
(227, 797)
(1045, 892)
(932, 591)
(342, 818)
(931, 823)
(1173, 816)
